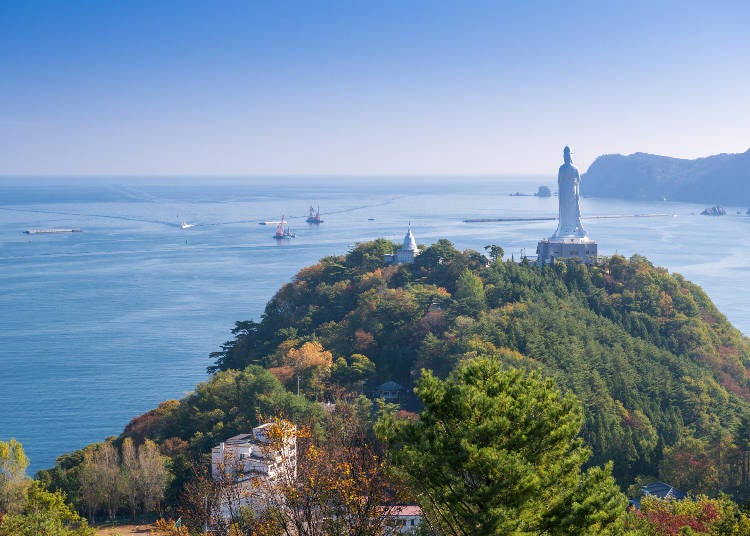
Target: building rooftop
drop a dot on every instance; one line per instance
(390, 386)
(408, 510)
(239, 439)
(660, 490)
(663, 491)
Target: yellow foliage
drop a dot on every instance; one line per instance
(168, 527)
(308, 356)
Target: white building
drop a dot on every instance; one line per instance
(249, 465)
(246, 456)
(407, 253)
(402, 519)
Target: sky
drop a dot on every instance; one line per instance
(390, 87)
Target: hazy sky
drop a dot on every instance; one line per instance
(396, 87)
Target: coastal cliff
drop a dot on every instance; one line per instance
(722, 178)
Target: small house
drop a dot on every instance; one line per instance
(659, 490)
(390, 391)
(402, 519)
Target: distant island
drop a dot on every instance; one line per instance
(720, 179)
(543, 191)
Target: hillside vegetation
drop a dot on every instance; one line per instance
(661, 376)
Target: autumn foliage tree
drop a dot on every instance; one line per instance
(145, 476)
(342, 484)
(339, 484)
(693, 515)
(312, 364)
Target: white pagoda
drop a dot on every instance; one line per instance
(407, 253)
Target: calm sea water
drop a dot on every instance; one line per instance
(100, 326)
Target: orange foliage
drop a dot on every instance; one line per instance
(144, 426)
(363, 340)
(311, 273)
(284, 374)
(309, 355)
(174, 446)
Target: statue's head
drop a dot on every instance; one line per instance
(566, 154)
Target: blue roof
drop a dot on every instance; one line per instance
(663, 491)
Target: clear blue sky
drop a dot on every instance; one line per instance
(356, 87)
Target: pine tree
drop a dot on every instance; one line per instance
(496, 451)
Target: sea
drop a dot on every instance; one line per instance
(99, 326)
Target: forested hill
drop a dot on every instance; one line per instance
(663, 377)
(715, 179)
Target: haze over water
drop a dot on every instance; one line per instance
(98, 327)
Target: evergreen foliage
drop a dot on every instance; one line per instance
(647, 353)
(496, 451)
(661, 376)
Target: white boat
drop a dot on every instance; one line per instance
(185, 225)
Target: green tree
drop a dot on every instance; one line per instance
(13, 480)
(470, 293)
(496, 451)
(44, 513)
(353, 371)
(495, 252)
(369, 255)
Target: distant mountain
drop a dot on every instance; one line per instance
(722, 178)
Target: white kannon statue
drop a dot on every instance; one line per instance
(568, 181)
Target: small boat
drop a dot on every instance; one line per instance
(282, 233)
(716, 210)
(185, 225)
(51, 231)
(314, 216)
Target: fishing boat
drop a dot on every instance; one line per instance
(51, 231)
(314, 216)
(281, 232)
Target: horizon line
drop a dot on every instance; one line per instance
(266, 175)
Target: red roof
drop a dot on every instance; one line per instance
(409, 510)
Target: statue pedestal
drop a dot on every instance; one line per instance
(583, 250)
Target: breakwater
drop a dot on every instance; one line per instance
(553, 218)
